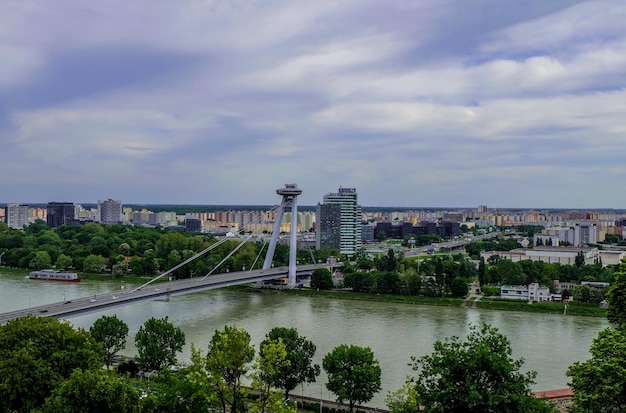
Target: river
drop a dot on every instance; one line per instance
(549, 343)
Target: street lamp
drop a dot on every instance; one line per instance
(1, 257)
(321, 396)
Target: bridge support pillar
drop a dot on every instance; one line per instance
(290, 200)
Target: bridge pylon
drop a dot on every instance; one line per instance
(290, 200)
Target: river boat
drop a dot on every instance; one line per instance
(53, 275)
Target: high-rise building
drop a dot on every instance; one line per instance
(16, 215)
(585, 233)
(110, 211)
(339, 222)
(60, 213)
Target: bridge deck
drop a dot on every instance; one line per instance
(94, 303)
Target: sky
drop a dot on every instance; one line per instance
(446, 103)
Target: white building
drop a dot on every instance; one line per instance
(561, 255)
(585, 233)
(16, 215)
(339, 222)
(110, 211)
(530, 292)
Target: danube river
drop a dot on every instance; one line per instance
(395, 332)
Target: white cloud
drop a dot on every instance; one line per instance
(432, 96)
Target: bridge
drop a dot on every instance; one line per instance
(152, 290)
(164, 290)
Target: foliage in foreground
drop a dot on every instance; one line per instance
(111, 332)
(93, 391)
(353, 374)
(472, 375)
(157, 343)
(599, 382)
(300, 368)
(36, 355)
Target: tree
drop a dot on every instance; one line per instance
(359, 282)
(579, 261)
(403, 400)
(482, 272)
(227, 361)
(272, 358)
(581, 293)
(36, 354)
(157, 343)
(178, 391)
(599, 382)
(353, 374)
(511, 272)
(388, 282)
(300, 353)
(93, 391)
(111, 332)
(322, 279)
(93, 263)
(63, 262)
(475, 375)
(617, 297)
(40, 261)
(458, 287)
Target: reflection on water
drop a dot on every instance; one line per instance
(549, 343)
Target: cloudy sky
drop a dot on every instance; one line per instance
(508, 103)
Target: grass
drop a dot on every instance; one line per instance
(89, 276)
(573, 308)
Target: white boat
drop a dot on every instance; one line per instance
(53, 275)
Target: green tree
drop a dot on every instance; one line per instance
(353, 374)
(228, 360)
(579, 261)
(511, 272)
(93, 263)
(403, 400)
(482, 272)
(458, 287)
(272, 358)
(582, 293)
(112, 333)
(63, 262)
(36, 354)
(388, 282)
(157, 343)
(599, 382)
(322, 279)
(300, 353)
(616, 297)
(475, 375)
(93, 391)
(40, 261)
(178, 391)
(412, 282)
(359, 282)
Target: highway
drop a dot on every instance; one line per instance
(74, 306)
(451, 245)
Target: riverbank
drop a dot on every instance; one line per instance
(573, 308)
(90, 276)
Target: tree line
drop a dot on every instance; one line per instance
(122, 250)
(48, 366)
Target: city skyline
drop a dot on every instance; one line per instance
(442, 103)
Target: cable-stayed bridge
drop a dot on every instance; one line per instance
(152, 290)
